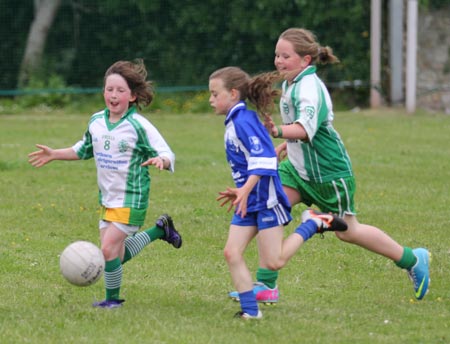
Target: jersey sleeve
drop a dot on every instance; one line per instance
(84, 148)
(157, 144)
(262, 159)
(306, 105)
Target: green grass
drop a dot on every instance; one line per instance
(331, 292)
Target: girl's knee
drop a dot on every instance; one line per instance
(107, 252)
(275, 266)
(273, 262)
(352, 231)
(346, 236)
(341, 236)
(231, 254)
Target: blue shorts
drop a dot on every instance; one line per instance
(263, 219)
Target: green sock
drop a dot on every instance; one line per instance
(408, 259)
(268, 277)
(155, 233)
(135, 244)
(126, 256)
(113, 278)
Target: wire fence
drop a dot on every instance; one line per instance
(182, 43)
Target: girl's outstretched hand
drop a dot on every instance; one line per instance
(158, 162)
(237, 197)
(41, 157)
(227, 196)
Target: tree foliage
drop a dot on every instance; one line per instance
(44, 14)
(15, 17)
(182, 42)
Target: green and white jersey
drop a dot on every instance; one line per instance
(119, 149)
(307, 101)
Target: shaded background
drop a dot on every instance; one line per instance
(182, 42)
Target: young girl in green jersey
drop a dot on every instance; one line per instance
(123, 144)
(318, 169)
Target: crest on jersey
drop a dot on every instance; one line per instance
(310, 111)
(231, 146)
(123, 146)
(255, 145)
(285, 107)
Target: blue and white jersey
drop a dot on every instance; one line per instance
(250, 151)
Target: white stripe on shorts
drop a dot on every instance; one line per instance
(280, 211)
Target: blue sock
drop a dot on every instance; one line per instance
(307, 229)
(248, 302)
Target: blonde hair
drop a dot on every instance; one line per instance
(258, 89)
(135, 74)
(305, 43)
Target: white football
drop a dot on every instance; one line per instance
(82, 263)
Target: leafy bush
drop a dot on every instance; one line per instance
(49, 92)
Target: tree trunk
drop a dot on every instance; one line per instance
(44, 14)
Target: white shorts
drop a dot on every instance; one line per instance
(127, 229)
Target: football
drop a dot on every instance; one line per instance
(82, 263)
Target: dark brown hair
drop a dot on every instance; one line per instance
(135, 74)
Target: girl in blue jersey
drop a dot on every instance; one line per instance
(123, 144)
(261, 205)
(318, 169)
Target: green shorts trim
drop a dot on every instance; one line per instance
(336, 196)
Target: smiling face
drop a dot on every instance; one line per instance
(221, 99)
(117, 95)
(287, 61)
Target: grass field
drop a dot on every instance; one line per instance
(331, 292)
